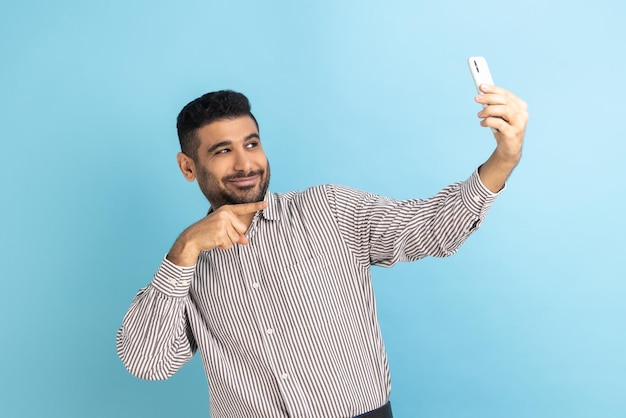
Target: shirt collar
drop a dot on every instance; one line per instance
(271, 212)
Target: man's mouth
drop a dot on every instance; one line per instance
(243, 182)
(247, 181)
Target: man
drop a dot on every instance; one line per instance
(275, 289)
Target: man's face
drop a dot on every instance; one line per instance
(231, 167)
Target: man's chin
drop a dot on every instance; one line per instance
(245, 196)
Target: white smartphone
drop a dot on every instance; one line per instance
(480, 71)
(481, 74)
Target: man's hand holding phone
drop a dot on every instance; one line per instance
(507, 116)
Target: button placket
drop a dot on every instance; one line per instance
(254, 279)
(252, 272)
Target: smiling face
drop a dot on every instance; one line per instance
(230, 167)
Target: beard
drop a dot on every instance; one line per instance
(218, 195)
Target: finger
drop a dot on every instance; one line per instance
(500, 95)
(237, 236)
(237, 231)
(512, 115)
(246, 208)
(499, 124)
(490, 99)
(229, 238)
(506, 128)
(491, 89)
(231, 220)
(511, 98)
(499, 111)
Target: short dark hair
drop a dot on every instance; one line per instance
(211, 107)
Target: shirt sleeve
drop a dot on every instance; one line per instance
(382, 231)
(155, 339)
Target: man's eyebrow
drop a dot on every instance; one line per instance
(252, 136)
(229, 142)
(219, 145)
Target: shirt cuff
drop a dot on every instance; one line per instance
(173, 280)
(476, 196)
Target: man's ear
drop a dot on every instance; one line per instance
(187, 166)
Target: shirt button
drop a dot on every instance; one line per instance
(476, 198)
(255, 285)
(173, 281)
(269, 331)
(284, 376)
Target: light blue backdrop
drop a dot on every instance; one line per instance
(526, 321)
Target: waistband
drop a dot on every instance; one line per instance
(382, 412)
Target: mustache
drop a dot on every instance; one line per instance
(240, 175)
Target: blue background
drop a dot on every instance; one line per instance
(526, 320)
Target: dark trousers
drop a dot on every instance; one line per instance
(382, 412)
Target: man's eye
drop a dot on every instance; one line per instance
(252, 144)
(222, 151)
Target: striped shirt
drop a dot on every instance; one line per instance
(286, 326)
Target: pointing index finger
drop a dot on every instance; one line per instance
(245, 208)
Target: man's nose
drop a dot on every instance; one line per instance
(242, 161)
